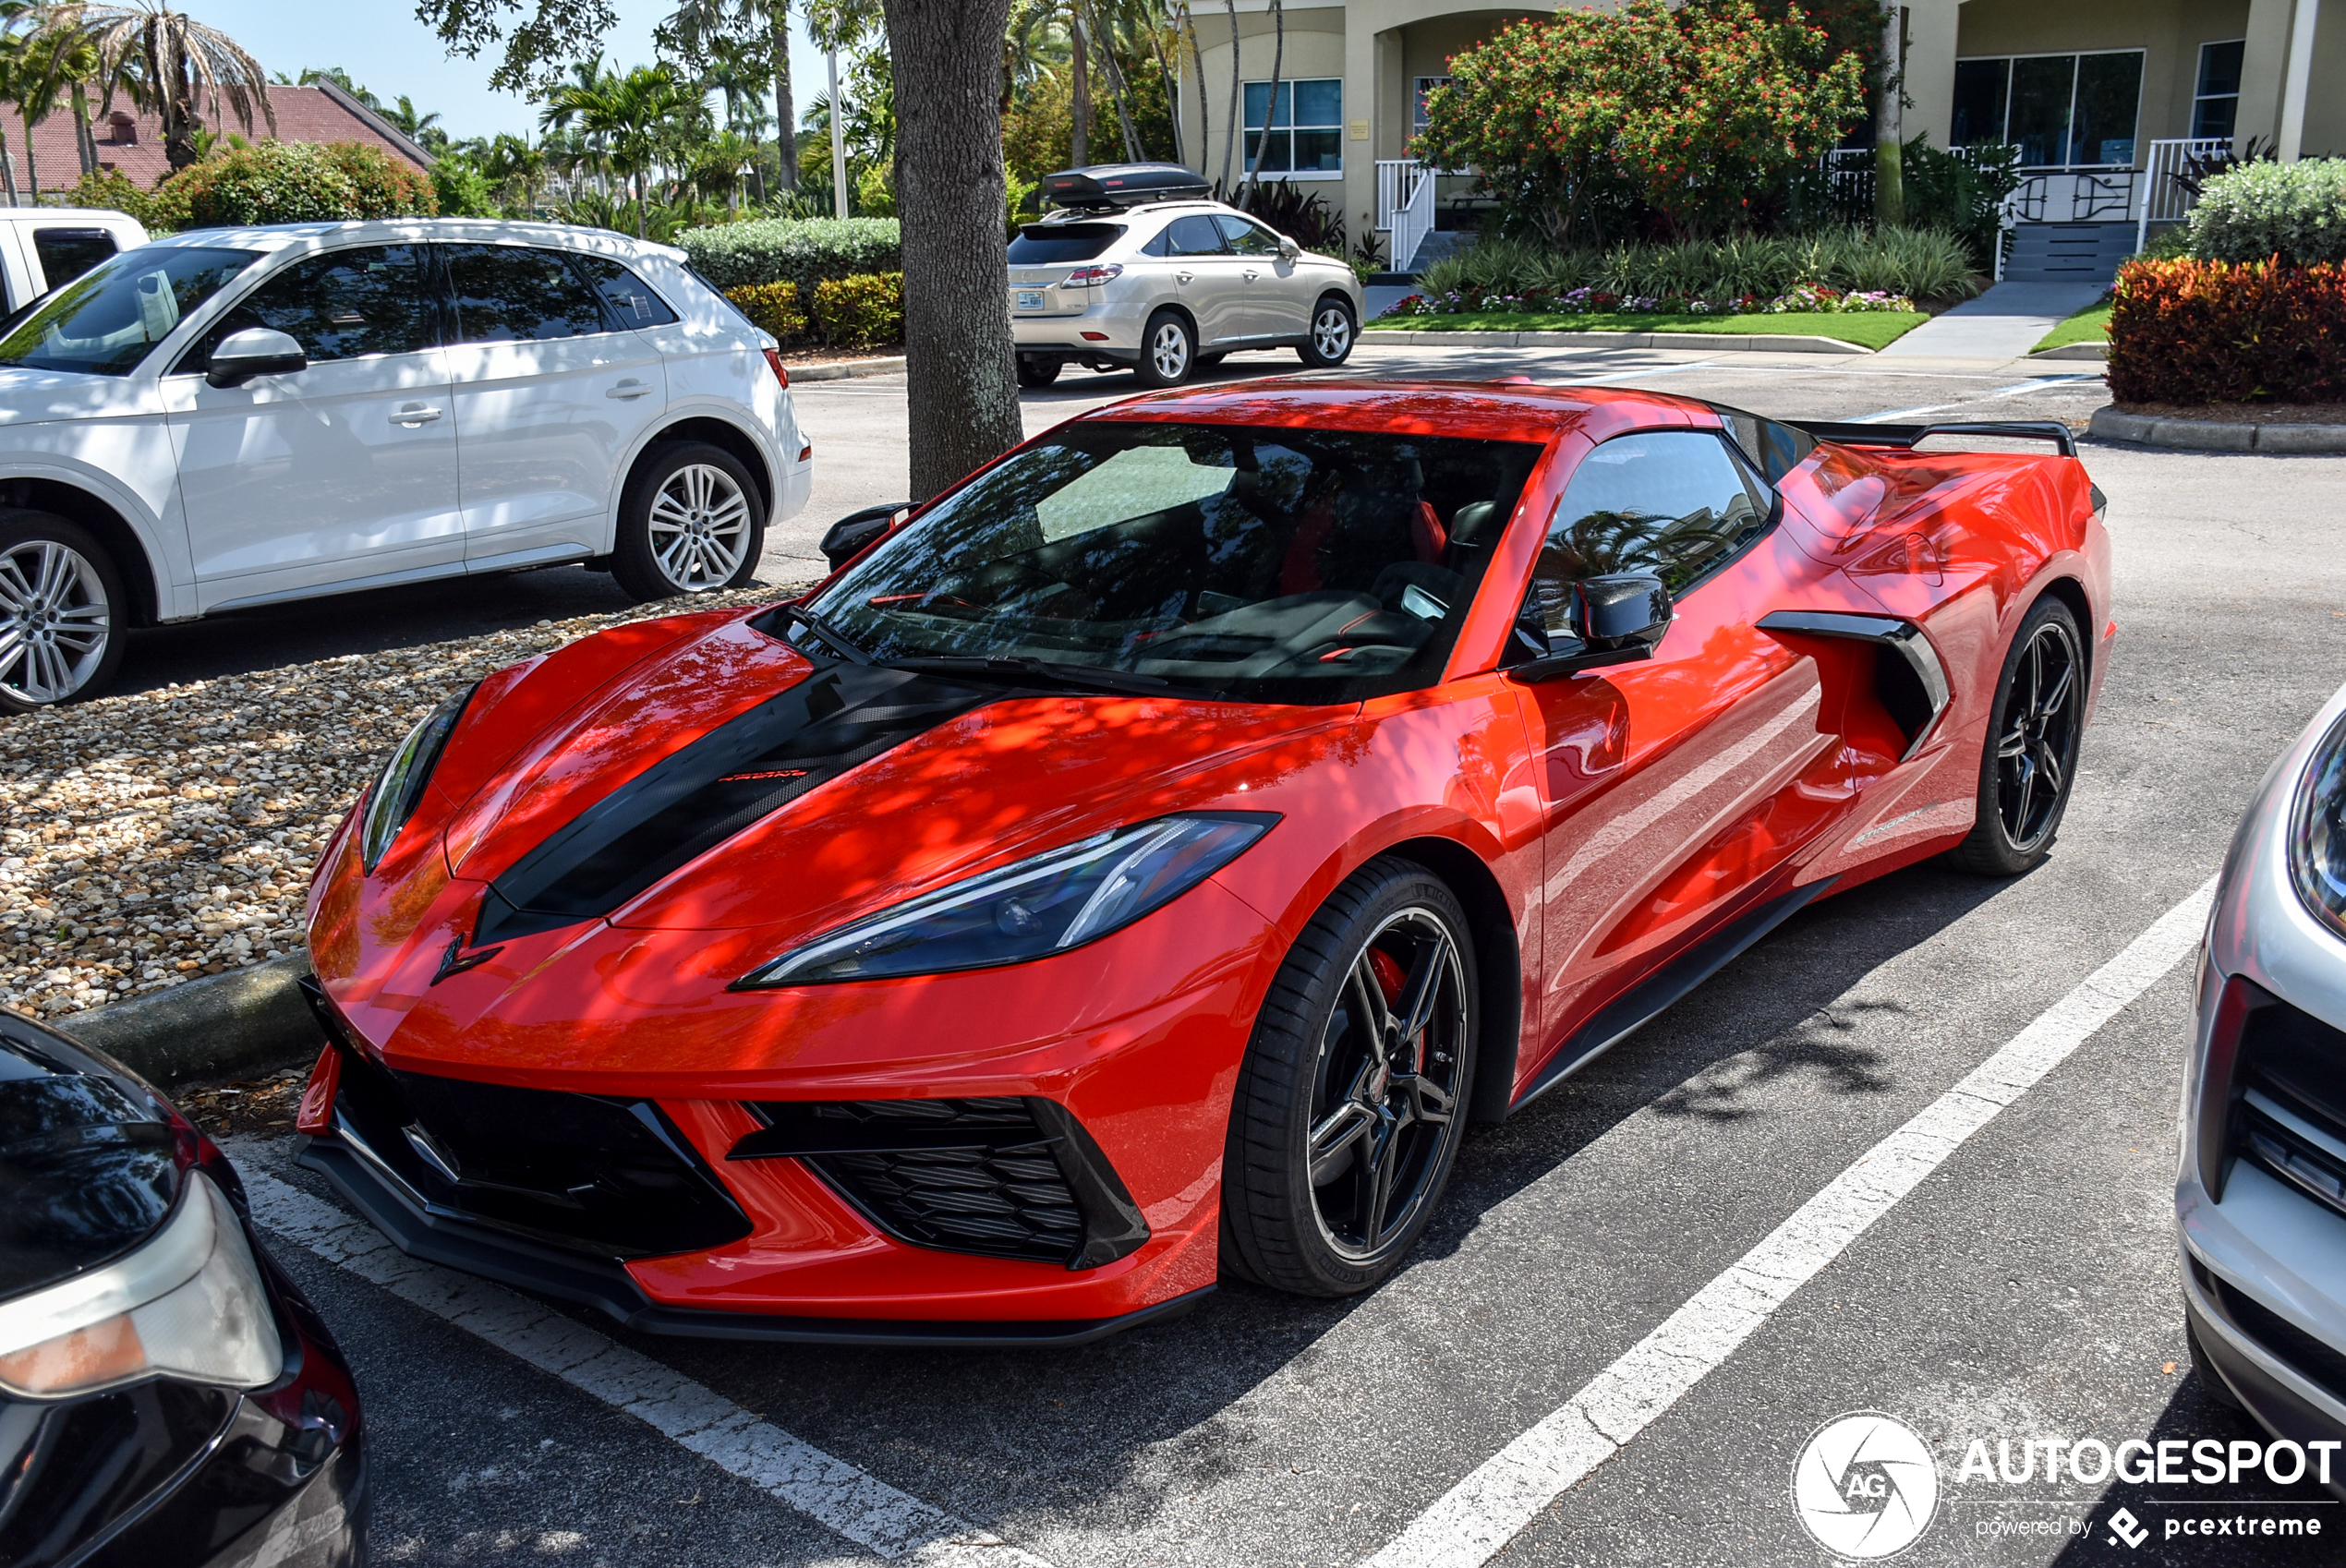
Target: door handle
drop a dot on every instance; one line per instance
(629, 388)
(414, 414)
(1251, 274)
(1184, 275)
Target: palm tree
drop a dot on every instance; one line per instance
(341, 78)
(177, 59)
(632, 116)
(49, 60)
(413, 123)
(697, 28)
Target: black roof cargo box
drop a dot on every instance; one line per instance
(1124, 185)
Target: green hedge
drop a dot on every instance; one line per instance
(852, 312)
(773, 307)
(1918, 263)
(2296, 211)
(805, 251)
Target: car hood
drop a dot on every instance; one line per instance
(727, 785)
(40, 397)
(88, 1158)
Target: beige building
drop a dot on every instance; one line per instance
(2106, 98)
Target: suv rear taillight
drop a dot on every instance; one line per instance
(1092, 277)
(782, 371)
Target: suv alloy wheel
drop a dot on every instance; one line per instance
(690, 524)
(60, 612)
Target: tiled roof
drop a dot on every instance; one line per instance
(304, 114)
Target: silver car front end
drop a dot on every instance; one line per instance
(2260, 1196)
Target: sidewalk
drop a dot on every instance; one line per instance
(2004, 323)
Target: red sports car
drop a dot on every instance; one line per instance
(1142, 862)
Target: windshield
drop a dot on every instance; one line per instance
(1277, 565)
(105, 321)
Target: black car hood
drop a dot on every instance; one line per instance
(89, 1160)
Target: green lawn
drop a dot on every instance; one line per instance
(1868, 329)
(2090, 325)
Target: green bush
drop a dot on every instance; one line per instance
(775, 307)
(852, 312)
(805, 251)
(2256, 211)
(462, 190)
(298, 182)
(1918, 263)
(162, 210)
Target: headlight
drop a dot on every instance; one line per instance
(2317, 833)
(188, 1303)
(1045, 904)
(393, 800)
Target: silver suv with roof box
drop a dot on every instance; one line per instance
(1138, 271)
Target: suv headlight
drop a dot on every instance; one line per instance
(2318, 832)
(1030, 909)
(187, 1302)
(394, 797)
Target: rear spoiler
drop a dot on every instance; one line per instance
(1841, 434)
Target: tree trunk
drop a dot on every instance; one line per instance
(1116, 93)
(1230, 131)
(1889, 172)
(950, 195)
(8, 171)
(1271, 110)
(785, 111)
(1166, 74)
(32, 171)
(1080, 90)
(85, 146)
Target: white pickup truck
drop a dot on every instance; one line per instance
(45, 248)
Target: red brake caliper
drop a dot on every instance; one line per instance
(1390, 978)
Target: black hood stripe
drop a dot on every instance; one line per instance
(687, 804)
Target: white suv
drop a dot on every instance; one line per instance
(1164, 287)
(238, 417)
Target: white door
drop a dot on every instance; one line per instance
(340, 474)
(1268, 303)
(551, 392)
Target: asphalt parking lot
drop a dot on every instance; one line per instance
(2023, 1289)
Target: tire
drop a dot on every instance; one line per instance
(1318, 1088)
(63, 613)
(708, 530)
(1035, 371)
(1334, 328)
(2029, 763)
(1169, 350)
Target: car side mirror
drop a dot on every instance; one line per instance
(1615, 619)
(847, 537)
(256, 351)
(1289, 249)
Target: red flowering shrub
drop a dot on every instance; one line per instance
(1691, 108)
(2224, 331)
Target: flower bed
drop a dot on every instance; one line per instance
(1807, 298)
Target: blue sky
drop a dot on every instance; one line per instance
(386, 50)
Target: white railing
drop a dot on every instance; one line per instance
(2073, 196)
(2165, 197)
(1404, 206)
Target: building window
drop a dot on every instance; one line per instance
(1417, 101)
(2061, 110)
(2215, 108)
(1305, 137)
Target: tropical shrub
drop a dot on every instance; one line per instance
(805, 251)
(1301, 214)
(297, 182)
(462, 189)
(387, 185)
(851, 312)
(162, 210)
(2192, 332)
(1904, 263)
(775, 307)
(2296, 211)
(1689, 111)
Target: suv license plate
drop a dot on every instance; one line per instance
(1030, 299)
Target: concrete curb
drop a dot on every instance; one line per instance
(2214, 435)
(242, 1021)
(2075, 351)
(844, 369)
(1747, 342)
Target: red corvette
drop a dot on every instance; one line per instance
(1143, 863)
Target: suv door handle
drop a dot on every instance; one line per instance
(1251, 274)
(1184, 275)
(414, 414)
(629, 388)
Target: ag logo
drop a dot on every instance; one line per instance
(1865, 1486)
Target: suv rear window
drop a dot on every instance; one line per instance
(1049, 245)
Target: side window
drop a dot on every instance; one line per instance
(1162, 245)
(65, 254)
(513, 294)
(1677, 504)
(1246, 238)
(1195, 236)
(343, 305)
(631, 299)
(1775, 449)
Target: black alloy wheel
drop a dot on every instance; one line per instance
(2031, 758)
(1352, 1098)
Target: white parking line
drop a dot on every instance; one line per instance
(1474, 1520)
(830, 1490)
(2017, 390)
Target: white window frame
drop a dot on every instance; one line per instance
(2074, 57)
(1247, 133)
(2199, 74)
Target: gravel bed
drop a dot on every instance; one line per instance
(148, 838)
